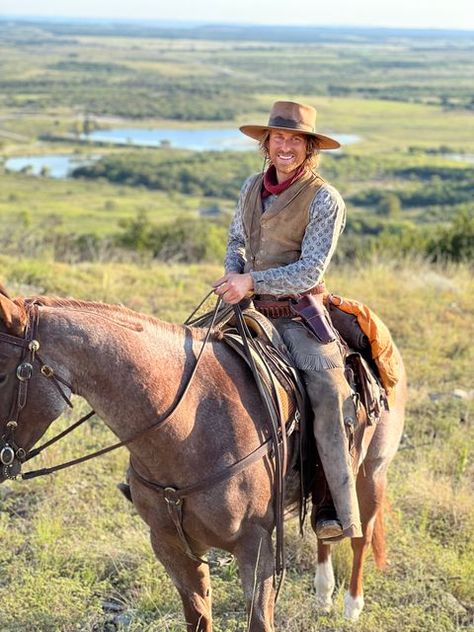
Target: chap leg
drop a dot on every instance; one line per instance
(334, 413)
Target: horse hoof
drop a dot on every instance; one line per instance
(323, 604)
(353, 606)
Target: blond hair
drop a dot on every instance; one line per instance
(312, 150)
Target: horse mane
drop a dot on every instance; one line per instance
(119, 314)
(96, 307)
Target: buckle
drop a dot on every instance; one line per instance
(47, 371)
(171, 497)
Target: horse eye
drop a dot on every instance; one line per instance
(3, 379)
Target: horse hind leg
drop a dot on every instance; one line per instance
(324, 582)
(371, 492)
(254, 554)
(191, 579)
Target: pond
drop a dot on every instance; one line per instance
(204, 139)
(61, 165)
(460, 157)
(51, 165)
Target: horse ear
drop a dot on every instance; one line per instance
(12, 314)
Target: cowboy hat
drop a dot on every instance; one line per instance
(291, 117)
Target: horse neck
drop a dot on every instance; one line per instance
(115, 360)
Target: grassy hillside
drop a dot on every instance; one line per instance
(76, 557)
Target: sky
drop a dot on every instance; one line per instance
(441, 14)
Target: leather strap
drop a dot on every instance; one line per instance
(273, 306)
(317, 289)
(174, 496)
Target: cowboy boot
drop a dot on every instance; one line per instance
(324, 520)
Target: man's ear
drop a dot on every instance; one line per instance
(12, 314)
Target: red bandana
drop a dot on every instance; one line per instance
(271, 186)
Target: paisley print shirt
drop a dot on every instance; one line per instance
(327, 220)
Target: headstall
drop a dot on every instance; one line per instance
(12, 455)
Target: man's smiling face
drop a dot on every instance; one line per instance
(287, 151)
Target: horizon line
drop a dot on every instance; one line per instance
(171, 23)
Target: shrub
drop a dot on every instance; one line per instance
(455, 242)
(186, 240)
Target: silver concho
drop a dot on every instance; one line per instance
(24, 371)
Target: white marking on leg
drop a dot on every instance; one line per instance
(353, 606)
(324, 583)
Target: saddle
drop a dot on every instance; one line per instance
(275, 367)
(284, 386)
(273, 362)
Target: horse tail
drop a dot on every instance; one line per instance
(378, 538)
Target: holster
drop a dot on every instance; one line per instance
(311, 310)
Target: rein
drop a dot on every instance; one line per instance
(11, 455)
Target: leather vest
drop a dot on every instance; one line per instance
(273, 238)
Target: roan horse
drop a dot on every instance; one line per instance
(131, 369)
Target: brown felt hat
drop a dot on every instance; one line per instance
(291, 117)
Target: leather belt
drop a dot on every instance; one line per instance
(273, 306)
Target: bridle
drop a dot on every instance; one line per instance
(12, 455)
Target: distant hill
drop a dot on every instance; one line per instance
(197, 31)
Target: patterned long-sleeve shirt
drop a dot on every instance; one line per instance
(327, 218)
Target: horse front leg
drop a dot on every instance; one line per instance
(370, 491)
(191, 580)
(324, 581)
(254, 554)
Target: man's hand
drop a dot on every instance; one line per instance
(233, 287)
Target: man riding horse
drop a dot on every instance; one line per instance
(282, 237)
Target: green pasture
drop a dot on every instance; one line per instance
(394, 90)
(79, 207)
(76, 556)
